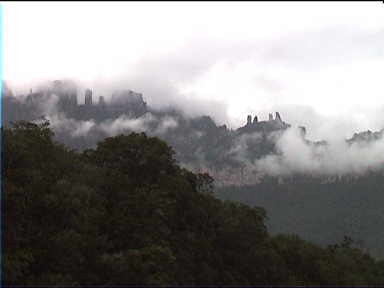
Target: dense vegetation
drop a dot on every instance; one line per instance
(320, 211)
(126, 213)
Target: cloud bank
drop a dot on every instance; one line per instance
(321, 70)
(327, 58)
(338, 157)
(148, 123)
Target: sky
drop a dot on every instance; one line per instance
(320, 64)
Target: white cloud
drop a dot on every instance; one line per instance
(224, 59)
(112, 127)
(335, 158)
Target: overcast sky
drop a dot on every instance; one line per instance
(321, 64)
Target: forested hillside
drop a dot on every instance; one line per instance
(126, 213)
(318, 211)
(320, 190)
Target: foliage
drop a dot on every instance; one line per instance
(125, 213)
(320, 211)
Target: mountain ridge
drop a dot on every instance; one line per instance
(200, 143)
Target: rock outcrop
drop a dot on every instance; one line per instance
(278, 118)
(263, 126)
(249, 120)
(62, 96)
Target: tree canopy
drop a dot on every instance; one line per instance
(126, 213)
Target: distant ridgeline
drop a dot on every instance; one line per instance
(259, 126)
(199, 143)
(62, 97)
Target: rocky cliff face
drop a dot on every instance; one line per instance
(366, 137)
(62, 97)
(200, 144)
(263, 126)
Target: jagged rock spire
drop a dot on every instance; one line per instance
(278, 118)
(303, 131)
(88, 97)
(249, 119)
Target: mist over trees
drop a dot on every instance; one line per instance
(262, 146)
(322, 191)
(126, 213)
(318, 211)
(234, 144)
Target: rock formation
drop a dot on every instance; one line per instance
(61, 96)
(88, 97)
(303, 131)
(102, 103)
(249, 120)
(278, 118)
